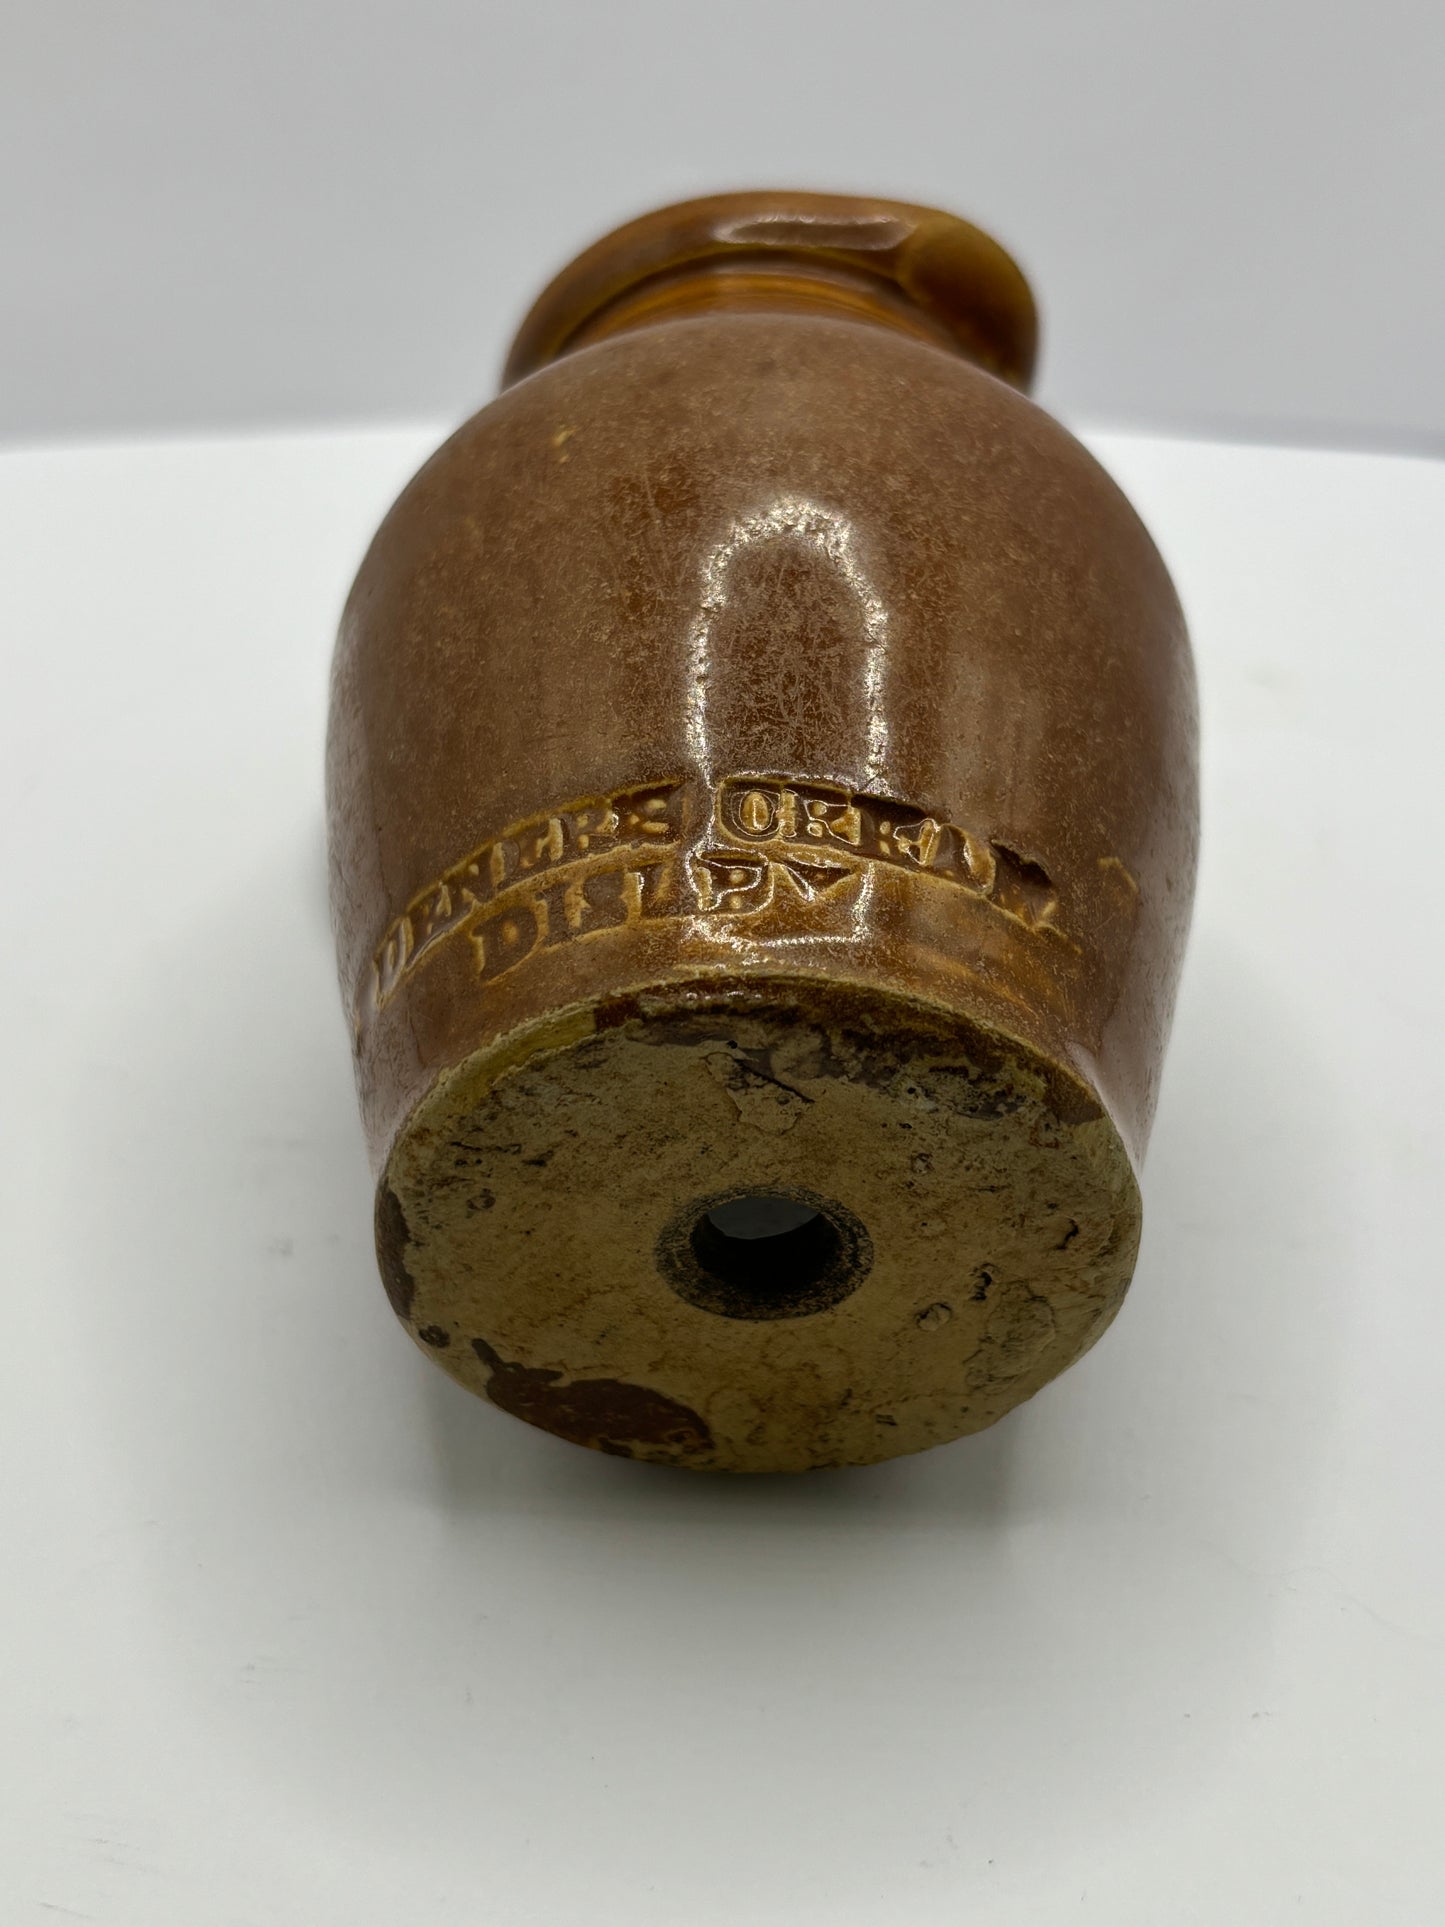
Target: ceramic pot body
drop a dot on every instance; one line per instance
(763, 802)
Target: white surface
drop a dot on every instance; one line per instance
(278, 211)
(293, 1631)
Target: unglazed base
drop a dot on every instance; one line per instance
(537, 1225)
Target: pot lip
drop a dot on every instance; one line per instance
(914, 266)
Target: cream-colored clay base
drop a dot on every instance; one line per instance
(536, 1226)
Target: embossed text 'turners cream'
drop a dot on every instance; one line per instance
(763, 803)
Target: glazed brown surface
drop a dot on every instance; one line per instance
(759, 639)
(930, 274)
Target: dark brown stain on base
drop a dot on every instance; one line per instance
(606, 1413)
(393, 1235)
(956, 1062)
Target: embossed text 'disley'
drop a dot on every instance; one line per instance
(599, 864)
(507, 868)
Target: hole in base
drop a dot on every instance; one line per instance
(765, 1254)
(758, 1217)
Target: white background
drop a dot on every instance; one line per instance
(294, 1632)
(305, 210)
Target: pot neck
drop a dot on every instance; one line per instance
(885, 263)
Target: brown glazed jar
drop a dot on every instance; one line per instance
(763, 809)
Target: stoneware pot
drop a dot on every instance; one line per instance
(763, 808)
